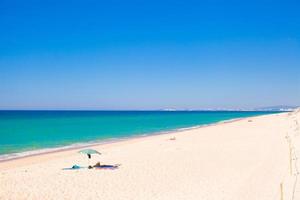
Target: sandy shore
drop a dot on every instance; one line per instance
(249, 159)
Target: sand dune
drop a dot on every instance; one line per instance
(243, 160)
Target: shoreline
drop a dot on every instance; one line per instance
(77, 146)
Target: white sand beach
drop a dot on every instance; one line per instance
(249, 159)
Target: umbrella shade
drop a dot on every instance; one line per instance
(89, 151)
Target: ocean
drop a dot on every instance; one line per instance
(27, 132)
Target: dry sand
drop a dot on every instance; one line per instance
(243, 160)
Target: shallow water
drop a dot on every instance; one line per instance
(34, 130)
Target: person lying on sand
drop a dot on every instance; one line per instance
(97, 164)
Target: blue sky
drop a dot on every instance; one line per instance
(149, 54)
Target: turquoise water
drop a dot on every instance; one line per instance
(31, 130)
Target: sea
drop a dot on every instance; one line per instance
(24, 133)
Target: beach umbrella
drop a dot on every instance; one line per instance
(89, 153)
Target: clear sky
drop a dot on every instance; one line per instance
(149, 54)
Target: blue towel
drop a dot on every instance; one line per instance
(74, 167)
